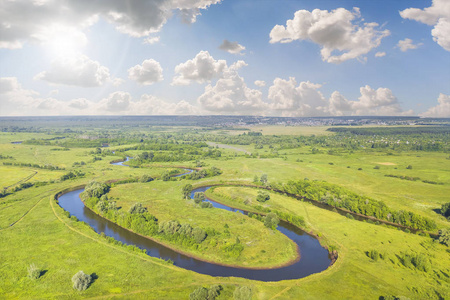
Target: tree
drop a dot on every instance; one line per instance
(255, 179)
(409, 167)
(34, 272)
(81, 281)
(242, 293)
(199, 235)
(203, 293)
(137, 208)
(263, 178)
(187, 189)
(444, 237)
(199, 197)
(271, 220)
(445, 209)
(145, 178)
(262, 196)
(165, 177)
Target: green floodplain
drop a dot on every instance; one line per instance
(394, 174)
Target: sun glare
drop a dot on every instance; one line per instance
(64, 42)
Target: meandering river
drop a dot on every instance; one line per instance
(313, 257)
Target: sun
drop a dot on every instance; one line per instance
(63, 41)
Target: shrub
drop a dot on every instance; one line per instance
(199, 197)
(81, 281)
(206, 205)
(445, 209)
(409, 167)
(373, 254)
(203, 293)
(145, 178)
(242, 293)
(137, 208)
(444, 237)
(34, 272)
(271, 220)
(262, 196)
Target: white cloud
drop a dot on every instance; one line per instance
(333, 31)
(116, 102)
(151, 105)
(148, 73)
(260, 83)
(379, 102)
(437, 15)
(202, 68)
(407, 44)
(380, 54)
(231, 95)
(291, 100)
(24, 20)
(441, 33)
(151, 40)
(232, 47)
(442, 110)
(79, 103)
(8, 84)
(75, 71)
(14, 100)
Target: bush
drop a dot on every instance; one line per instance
(409, 167)
(206, 205)
(81, 281)
(242, 293)
(445, 209)
(145, 178)
(271, 220)
(203, 293)
(34, 272)
(199, 197)
(262, 196)
(373, 254)
(444, 237)
(137, 208)
(350, 216)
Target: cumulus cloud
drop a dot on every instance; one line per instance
(14, 100)
(137, 18)
(231, 95)
(407, 44)
(148, 73)
(76, 71)
(79, 103)
(232, 47)
(380, 54)
(441, 33)
(379, 102)
(335, 31)
(292, 100)
(437, 15)
(260, 83)
(442, 110)
(202, 68)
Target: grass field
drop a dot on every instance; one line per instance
(34, 229)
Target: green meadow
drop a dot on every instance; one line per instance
(374, 261)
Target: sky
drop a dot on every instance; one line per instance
(291, 58)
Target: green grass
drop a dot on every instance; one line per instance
(41, 234)
(263, 247)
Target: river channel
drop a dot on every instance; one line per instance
(313, 257)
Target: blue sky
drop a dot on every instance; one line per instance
(79, 57)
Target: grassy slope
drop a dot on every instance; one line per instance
(163, 199)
